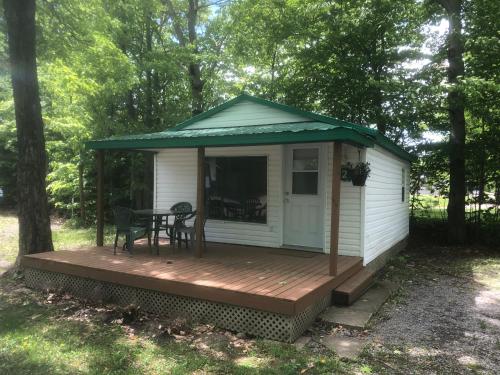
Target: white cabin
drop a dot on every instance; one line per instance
(373, 219)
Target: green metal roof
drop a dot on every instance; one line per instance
(320, 129)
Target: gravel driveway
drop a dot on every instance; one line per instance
(447, 319)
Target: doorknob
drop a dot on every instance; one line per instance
(287, 193)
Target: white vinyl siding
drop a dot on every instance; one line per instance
(386, 215)
(175, 177)
(247, 113)
(176, 181)
(350, 205)
(372, 218)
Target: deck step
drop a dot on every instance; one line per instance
(353, 288)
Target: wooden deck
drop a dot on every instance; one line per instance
(274, 280)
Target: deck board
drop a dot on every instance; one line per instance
(277, 280)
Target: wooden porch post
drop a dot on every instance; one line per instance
(335, 219)
(200, 201)
(100, 197)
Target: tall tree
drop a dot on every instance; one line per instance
(482, 90)
(34, 222)
(456, 110)
(187, 37)
(345, 58)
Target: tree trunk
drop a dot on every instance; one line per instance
(196, 88)
(456, 104)
(194, 68)
(34, 222)
(379, 58)
(379, 110)
(272, 93)
(482, 177)
(143, 196)
(148, 111)
(132, 114)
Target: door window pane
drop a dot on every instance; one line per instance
(305, 183)
(305, 159)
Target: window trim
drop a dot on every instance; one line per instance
(403, 185)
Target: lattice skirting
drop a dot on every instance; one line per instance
(235, 318)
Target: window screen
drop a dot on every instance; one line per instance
(237, 188)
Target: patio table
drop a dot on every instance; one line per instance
(153, 212)
(157, 214)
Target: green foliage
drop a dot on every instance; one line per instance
(481, 86)
(346, 59)
(109, 68)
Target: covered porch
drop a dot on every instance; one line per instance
(203, 208)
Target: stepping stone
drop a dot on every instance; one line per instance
(375, 297)
(347, 317)
(344, 347)
(301, 342)
(358, 314)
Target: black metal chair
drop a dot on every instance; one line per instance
(182, 228)
(125, 224)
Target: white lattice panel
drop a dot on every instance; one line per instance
(255, 322)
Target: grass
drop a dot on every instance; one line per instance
(37, 337)
(485, 270)
(430, 206)
(70, 237)
(8, 237)
(62, 236)
(36, 340)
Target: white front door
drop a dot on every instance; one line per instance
(304, 196)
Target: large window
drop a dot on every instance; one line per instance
(237, 188)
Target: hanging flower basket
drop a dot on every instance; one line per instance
(359, 173)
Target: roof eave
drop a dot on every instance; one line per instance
(340, 134)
